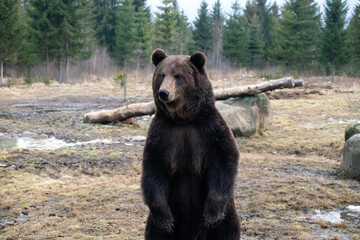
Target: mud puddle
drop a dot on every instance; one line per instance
(51, 143)
(33, 141)
(350, 215)
(328, 122)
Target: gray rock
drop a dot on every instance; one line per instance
(247, 115)
(350, 165)
(352, 129)
(41, 136)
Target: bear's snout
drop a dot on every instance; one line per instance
(163, 95)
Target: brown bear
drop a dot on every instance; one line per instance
(190, 156)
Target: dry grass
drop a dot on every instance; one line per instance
(276, 190)
(73, 207)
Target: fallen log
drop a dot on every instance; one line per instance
(141, 109)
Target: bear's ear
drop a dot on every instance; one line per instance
(199, 60)
(157, 56)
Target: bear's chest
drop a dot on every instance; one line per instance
(185, 148)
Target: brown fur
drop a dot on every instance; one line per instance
(190, 157)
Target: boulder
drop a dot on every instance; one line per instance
(246, 115)
(352, 129)
(350, 165)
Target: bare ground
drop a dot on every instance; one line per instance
(91, 191)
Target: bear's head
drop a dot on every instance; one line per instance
(181, 87)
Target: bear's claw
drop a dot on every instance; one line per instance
(213, 221)
(166, 226)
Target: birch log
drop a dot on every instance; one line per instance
(141, 109)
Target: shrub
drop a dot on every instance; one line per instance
(46, 80)
(9, 83)
(119, 78)
(29, 80)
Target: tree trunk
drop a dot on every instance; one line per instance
(67, 62)
(120, 114)
(60, 72)
(125, 100)
(141, 109)
(47, 60)
(94, 66)
(333, 71)
(2, 73)
(287, 82)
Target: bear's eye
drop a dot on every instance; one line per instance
(162, 76)
(177, 77)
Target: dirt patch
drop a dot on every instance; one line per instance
(93, 191)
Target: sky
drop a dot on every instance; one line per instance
(191, 6)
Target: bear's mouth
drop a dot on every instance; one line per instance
(172, 103)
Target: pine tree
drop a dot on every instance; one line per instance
(124, 40)
(217, 22)
(334, 35)
(142, 35)
(165, 32)
(202, 34)
(274, 11)
(105, 15)
(69, 30)
(9, 32)
(296, 35)
(253, 27)
(41, 28)
(235, 39)
(354, 39)
(27, 54)
(140, 5)
(184, 32)
(265, 26)
(255, 46)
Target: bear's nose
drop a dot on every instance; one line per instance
(163, 94)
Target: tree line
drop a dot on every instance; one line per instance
(297, 37)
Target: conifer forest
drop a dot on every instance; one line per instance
(46, 38)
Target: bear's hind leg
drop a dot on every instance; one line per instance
(153, 233)
(229, 228)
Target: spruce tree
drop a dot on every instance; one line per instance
(72, 40)
(27, 53)
(265, 25)
(274, 11)
(296, 35)
(124, 40)
(166, 31)
(235, 39)
(217, 22)
(354, 39)
(255, 46)
(202, 34)
(140, 5)
(183, 36)
(142, 35)
(334, 34)
(9, 32)
(253, 27)
(105, 16)
(41, 28)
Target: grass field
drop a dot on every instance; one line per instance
(286, 175)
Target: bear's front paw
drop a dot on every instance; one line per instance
(212, 220)
(166, 225)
